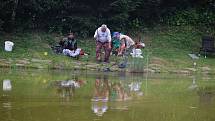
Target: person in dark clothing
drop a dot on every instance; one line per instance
(69, 42)
(69, 45)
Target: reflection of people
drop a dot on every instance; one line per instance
(66, 92)
(99, 108)
(101, 91)
(119, 93)
(66, 88)
(103, 40)
(100, 96)
(136, 88)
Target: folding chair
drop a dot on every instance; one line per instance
(207, 45)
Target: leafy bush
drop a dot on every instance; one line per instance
(1, 24)
(84, 16)
(191, 17)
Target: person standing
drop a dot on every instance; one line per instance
(103, 40)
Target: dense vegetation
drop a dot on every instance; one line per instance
(83, 16)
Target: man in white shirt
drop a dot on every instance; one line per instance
(103, 40)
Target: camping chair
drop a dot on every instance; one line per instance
(207, 45)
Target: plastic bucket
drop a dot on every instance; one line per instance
(137, 51)
(8, 46)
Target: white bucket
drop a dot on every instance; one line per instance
(8, 46)
(136, 52)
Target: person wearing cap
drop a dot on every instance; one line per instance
(126, 43)
(103, 40)
(115, 43)
(69, 45)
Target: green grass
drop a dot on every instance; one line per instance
(173, 44)
(167, 48)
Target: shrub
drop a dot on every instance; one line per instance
(1, 24)
(191, 17)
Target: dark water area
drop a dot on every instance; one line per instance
(39, 95)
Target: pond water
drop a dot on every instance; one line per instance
(38, 95)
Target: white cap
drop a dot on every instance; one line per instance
(104, 26)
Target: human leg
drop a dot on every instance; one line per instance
(98, 51)
(107, 52)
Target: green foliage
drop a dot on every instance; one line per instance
(84, 16)
(136, 25)
(182, 37)
(192, 17)
(1, 23)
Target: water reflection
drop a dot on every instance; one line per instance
(119, 92)
(118, 97)
(113, 94)
(135, 87)
(66, 88)
(206, 95)
(7, 86)
(7, 108)
(5, 100)
(100, 95)
(194, 84)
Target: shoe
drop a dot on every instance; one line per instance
(106, 61)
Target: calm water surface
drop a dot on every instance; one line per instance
(37, 95)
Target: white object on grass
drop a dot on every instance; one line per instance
(8, 46)
(136, 53)
(72, 53)
(193, 56)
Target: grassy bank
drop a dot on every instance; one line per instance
(167, 50)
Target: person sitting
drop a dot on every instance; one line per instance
(127, 44)
(69, 45)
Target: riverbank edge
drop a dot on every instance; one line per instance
(101, 67)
